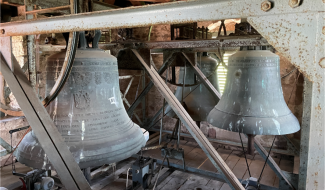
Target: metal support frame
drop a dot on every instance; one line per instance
(124, 96)
(43, 126)
(149, 86)
(176, 12)
(177, 107)
(214, 175)
(297, 32)
(6, 146)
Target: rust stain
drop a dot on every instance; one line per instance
(322, 62)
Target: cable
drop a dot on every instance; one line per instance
(172, 109)
(242, 145)
(258, 181)
(159, 171)
(127, 178)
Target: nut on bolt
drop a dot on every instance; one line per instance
(266, 6)
(294, 3)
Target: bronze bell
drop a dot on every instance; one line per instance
(198, 101)
(253, 102)
(88, 113)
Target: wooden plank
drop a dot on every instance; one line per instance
(155, 139)
(231, 161)
(195, 181)
(224, 153)
(195, 158)
(214, 184)
(104, 184)
(255, 167)
(286, 165)
(177, 179)
(269, 177)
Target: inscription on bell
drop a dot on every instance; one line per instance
(82, 79)
(81, 100)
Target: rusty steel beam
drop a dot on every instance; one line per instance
(169, 13)
(182, 45)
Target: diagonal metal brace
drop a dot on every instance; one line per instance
(150, 85)
(273, 165)
(203, 78)
(190, 124)
(43, 127)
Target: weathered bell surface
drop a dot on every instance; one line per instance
(252, 102)
(198, 99)
(88, 113)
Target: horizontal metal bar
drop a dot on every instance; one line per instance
(4, 153)
(190, 45)
(203, 78)
(169, 13)
(18, 129)
(5, 145)
(49, 9)
(214, 175)
(231, 143)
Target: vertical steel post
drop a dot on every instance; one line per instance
(31, 47)
(143, 84)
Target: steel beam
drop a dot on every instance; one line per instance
(149, 85)
(5, 145)
(31, 54)
(43, 127)
(184, 45)
(177, 107)
(169, 13)
(227, 142)
(302, 42)
(203, 78)
(214, 175)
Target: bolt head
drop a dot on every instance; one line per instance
(266, 6)
(323, 30)
(2, 31)
(294, 3)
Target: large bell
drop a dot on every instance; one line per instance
(197, 99)
(88, 113)
(252, 102)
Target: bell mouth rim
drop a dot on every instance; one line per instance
(252, 115)
(282, 125)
